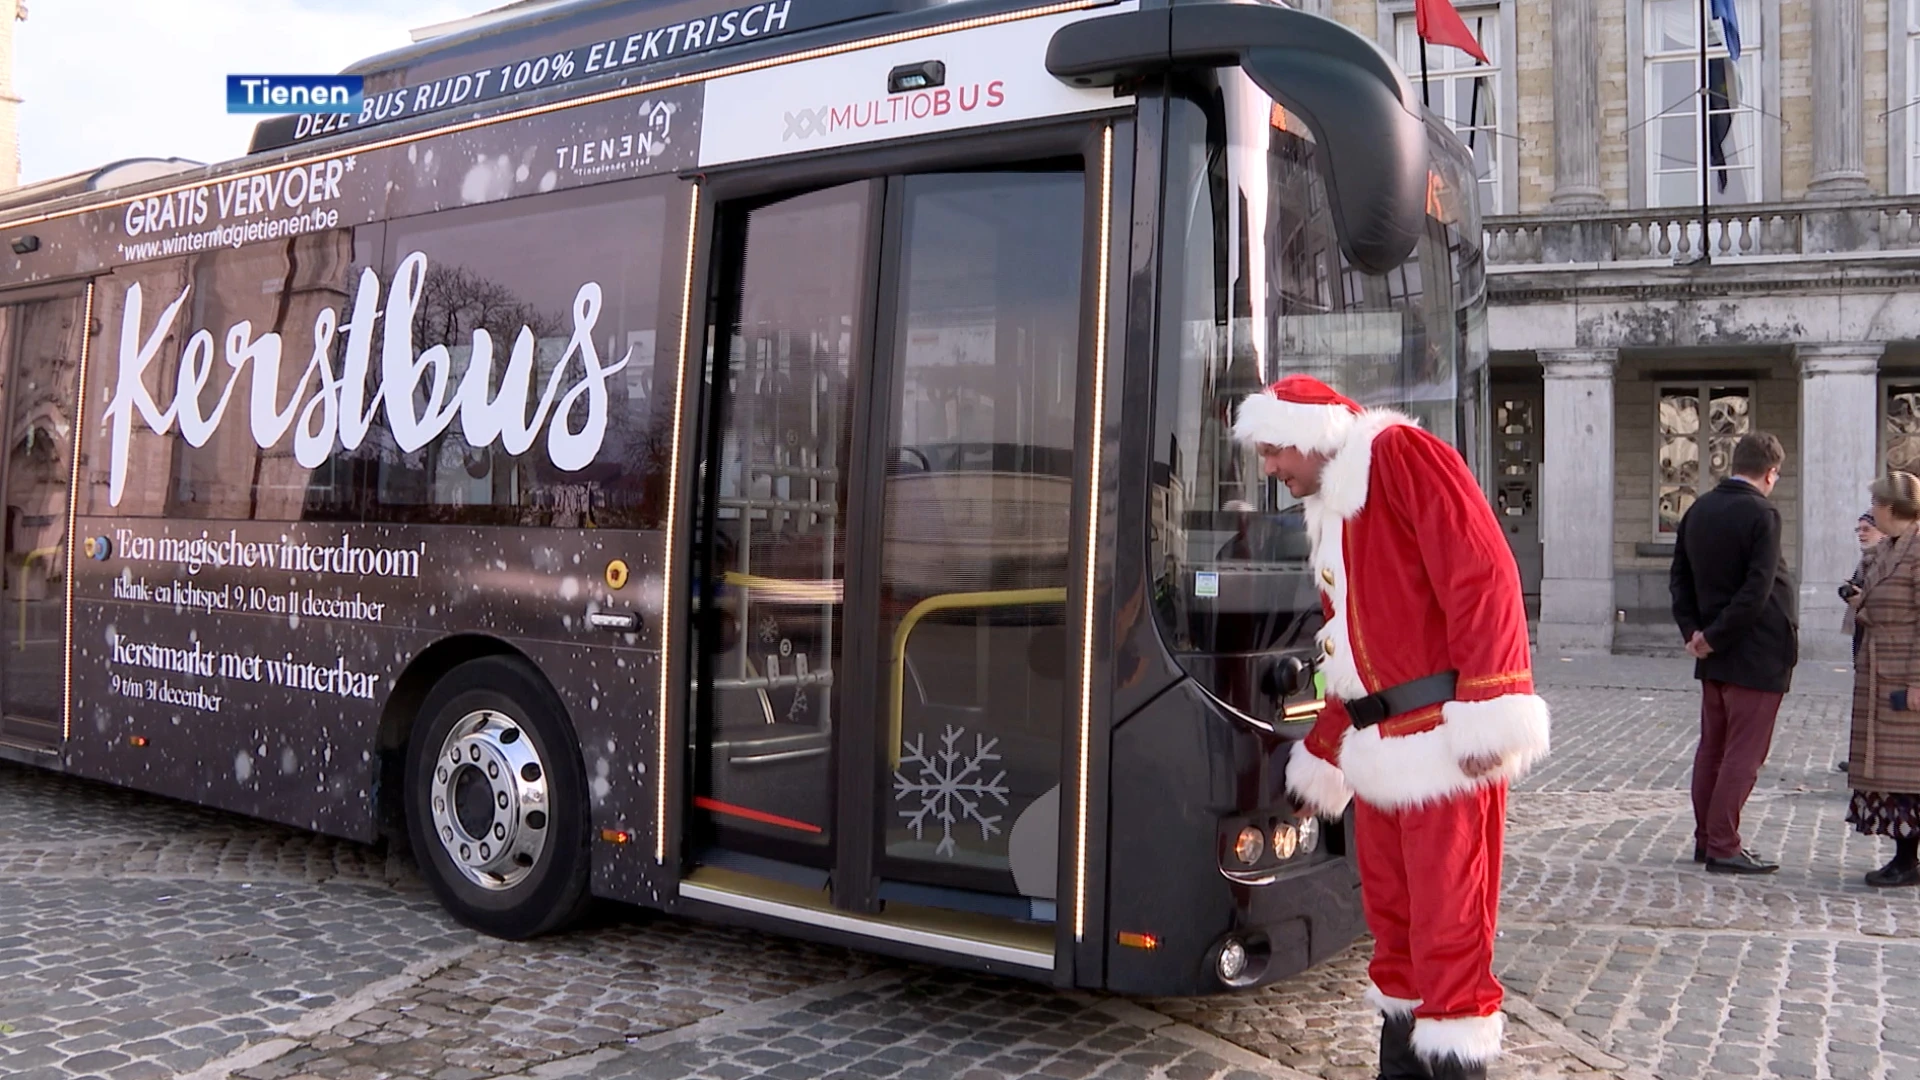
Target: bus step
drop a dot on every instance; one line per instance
(29, 749)
(958, 933)
(807, 877)
(1024, 908)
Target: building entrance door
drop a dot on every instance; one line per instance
(1518, 408)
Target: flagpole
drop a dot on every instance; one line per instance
(1473, 114)
(1425, 98)
(1473, 110)
(1706, 140)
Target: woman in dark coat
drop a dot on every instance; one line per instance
(1884, 761)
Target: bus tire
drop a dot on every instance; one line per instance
(496, 800)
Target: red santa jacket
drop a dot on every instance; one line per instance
(1415, 579)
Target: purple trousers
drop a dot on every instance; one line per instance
(1736, 731)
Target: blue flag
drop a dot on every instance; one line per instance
(1729, 16)
(1720, 92)
(1723, 89)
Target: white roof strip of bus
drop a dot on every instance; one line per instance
(994, 75)
(986, 950)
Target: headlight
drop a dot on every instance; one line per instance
(1233, 960)
(1309, 835)
(1248, 846)
(1286, 840)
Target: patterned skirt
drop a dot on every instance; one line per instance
(1885, 813)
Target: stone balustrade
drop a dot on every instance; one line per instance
(1769, 231)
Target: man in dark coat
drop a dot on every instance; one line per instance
(1734, 601)
(1867, 531)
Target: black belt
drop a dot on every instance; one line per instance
(1405, 698)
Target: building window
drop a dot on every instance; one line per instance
(1672, 132)
(1900, 427)
(1695, 424)
(1912, 111)
(1464, 92)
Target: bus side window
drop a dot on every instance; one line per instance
(563, 285)
(234, 306)
(561, 293)
(40, 345)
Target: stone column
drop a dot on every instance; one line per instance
(1576, 501)
(1839, 449)
(1576, 105)
(1839, 114)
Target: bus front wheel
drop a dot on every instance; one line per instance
(496, 800)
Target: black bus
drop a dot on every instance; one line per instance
(769, 463)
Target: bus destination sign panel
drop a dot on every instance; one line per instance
(990, 75)
(652, 44)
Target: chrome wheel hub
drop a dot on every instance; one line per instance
(489, 800)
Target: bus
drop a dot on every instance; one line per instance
(768, 463)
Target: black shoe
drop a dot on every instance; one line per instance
(1397, 1059)
(1894, 876)
(1699, 853)
(1744, 863)
(1840, 766)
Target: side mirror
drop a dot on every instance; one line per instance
(1361, 109)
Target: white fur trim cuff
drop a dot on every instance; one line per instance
(1312, 429)
(1471, 1040)
(1387, 1005)
(1515, 728)
(1317, 783)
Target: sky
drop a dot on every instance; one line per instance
(104, 80)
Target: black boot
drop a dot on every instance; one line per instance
(1397, 1059)
(1452, 1068)
(1903, 871)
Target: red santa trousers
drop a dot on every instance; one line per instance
(1430, 886)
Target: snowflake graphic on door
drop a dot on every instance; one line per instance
(949, 786)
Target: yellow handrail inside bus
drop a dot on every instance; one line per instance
(992, 598)
(20, 643)
(823, 591)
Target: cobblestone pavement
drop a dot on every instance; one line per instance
(142, 938)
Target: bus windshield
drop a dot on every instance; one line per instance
(1255, 287)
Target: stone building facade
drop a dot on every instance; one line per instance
(1625, 363)
(11, 11)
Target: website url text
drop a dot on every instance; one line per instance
(221, 236)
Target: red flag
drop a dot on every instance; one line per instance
(1438, 23)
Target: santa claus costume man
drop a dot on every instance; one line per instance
(1431, 710)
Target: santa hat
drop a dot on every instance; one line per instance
(1298, 411)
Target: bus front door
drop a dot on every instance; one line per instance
(882, 543)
